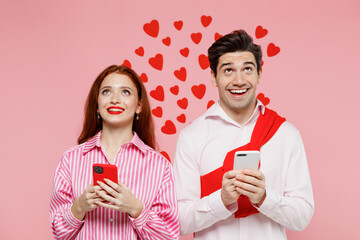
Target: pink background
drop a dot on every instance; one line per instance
(50, 53)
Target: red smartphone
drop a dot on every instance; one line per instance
(101, 171)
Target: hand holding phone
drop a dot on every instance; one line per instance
(101, 171)
(246, 160)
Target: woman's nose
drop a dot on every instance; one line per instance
(115, 98)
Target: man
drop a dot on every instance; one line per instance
(217, 202)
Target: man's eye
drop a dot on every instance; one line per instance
(228, 70)
(248, 69)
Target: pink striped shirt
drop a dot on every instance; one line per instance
(146, 172)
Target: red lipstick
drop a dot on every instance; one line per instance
(115, 110)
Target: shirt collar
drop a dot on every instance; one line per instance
(96, 142)
(216, 111)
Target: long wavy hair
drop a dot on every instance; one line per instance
(144, 126)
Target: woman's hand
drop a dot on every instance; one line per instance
(86, 202)
(120, 198)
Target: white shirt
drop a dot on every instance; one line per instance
(202, 147)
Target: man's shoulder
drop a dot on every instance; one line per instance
(287, 132)
(199, 125)
(288, 127)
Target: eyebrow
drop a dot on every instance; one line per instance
(225, 64)
(251, 63)
(230, 63)
(122, 87)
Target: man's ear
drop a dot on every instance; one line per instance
(213, 79)
(260, 75)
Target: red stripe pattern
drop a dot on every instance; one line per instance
(146, 172)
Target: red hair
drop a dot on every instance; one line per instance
(144, 126)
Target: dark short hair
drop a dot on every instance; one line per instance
(233, 42)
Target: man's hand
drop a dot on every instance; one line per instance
(229, 193)
(251, 183)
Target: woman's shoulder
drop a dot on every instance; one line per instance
(155, 154)
(74, 150)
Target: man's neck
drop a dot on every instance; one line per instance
(240, 116)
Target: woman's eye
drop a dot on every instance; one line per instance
(106, 91)
(126, 92)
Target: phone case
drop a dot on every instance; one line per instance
(246, 160)
(101, 171)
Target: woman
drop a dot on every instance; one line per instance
(118, 130)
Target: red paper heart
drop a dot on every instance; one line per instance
(166, 41)
(165, 155)
(217, 36)
(140, 51)
(183, 103)
(263, 99)
(260, 32)
(157, 61)
(157, 112)
(198, 90)
(178, 25)
(152, 28)
(143, 77)
(169, 128)
(181, 118)
(174, 90)
(204, 61)
(126, 63)
(180, 74)
(158, 93)
(196, 37)
(272, 50)
(206, 20)
(184, 52)
(210, 103)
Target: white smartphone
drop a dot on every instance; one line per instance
(246, 160)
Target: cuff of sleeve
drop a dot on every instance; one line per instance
(141, 219)
(271, 200)
(218, 208)
(72, 221)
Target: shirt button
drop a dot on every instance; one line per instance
(111, 219)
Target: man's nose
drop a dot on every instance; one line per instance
(238, 79)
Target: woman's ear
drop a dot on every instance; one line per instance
(139, 108)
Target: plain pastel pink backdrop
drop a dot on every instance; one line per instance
(50, 53)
